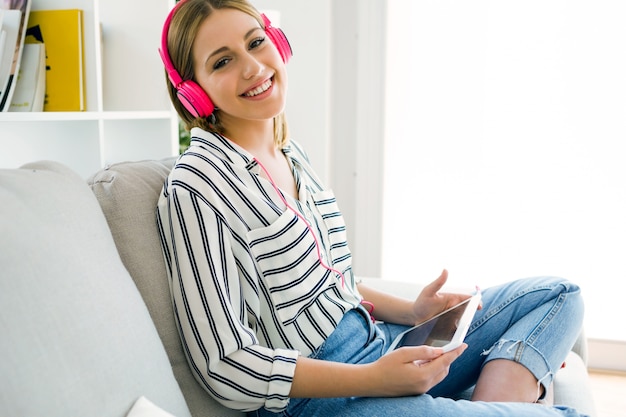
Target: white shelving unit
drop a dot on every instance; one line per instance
(128, 117)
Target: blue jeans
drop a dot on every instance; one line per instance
(533, 321)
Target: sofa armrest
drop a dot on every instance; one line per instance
(398, 288)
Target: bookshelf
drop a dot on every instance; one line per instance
(128, 116)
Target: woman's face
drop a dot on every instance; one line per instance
(237, 65)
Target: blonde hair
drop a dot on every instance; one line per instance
(180, 37)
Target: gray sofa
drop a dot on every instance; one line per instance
(86, 326)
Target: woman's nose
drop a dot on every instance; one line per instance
(251, 66)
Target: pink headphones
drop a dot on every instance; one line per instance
(190, 94)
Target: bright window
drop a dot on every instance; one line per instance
(505, 145)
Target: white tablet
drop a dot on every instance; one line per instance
(446, 329)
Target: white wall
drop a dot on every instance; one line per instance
(358, 64)
(508, 157)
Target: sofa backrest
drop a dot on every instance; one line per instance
(128, 194)
(76, 338)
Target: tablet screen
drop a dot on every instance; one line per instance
(438, 331)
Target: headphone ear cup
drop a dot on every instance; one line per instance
(278, 38)
(195, 100)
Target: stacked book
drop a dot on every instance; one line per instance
(41, 58)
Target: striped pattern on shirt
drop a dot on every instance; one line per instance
(250, 294)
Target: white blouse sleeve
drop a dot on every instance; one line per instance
(223, 352)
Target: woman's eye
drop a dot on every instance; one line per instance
(256, 43)
(253, 45)
(220, 63)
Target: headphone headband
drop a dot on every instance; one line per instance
(172, 74)
(191, 95)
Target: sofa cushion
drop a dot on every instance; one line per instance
(77, 338)
(573, 387)
(128, 194)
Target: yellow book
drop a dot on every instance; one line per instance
(61, 31)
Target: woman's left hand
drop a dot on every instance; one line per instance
(431, 302)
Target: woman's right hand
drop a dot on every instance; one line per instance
(412, 370)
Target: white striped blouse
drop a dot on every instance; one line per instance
(249, 291)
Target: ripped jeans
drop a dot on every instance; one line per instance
(532, 321)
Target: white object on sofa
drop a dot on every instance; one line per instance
(143, 407)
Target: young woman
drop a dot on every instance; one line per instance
(271, 316)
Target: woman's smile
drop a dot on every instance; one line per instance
(256, 91)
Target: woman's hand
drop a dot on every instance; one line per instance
(431, 302)
(412, 370)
